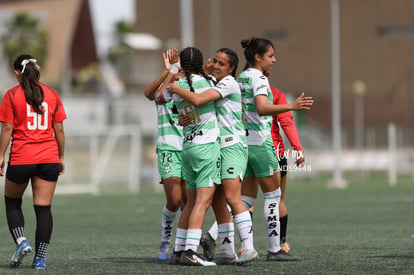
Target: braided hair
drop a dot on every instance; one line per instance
(254, 46)
(234, 59)
(30, 76)
(191, 60)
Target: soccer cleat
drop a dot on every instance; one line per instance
(175, 257)
(39, 263)
(162, 254)
(223, 259)
(241, 250)
(189, 257)
(247, 255)
(22, 250)
(209, 246)
(281, 256)
(285, 247)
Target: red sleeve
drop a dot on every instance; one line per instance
(285, 120)
(6, 109)
(289, 128)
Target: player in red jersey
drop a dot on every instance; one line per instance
(32, 117)
(285, 120)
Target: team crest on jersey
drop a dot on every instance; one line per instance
(167, 168)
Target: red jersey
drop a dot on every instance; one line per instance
(287, 124)
(33, 140)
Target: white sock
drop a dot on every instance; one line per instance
(193, 239)
(244, 225)
(271, 219)
(248, 201)
(226, 236)
(167, 222)
(19, 240)
(180, 238)
(213, 231)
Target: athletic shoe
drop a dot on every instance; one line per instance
(162, 254)
(209, 246)
(241, 250)
(223, 259)
(175, 257)
(285, 247)
(22, 250)
(189, 257)
(39, 263)
(281, 256)
(247, 255)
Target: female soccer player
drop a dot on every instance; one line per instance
(262, 164)
(202, 173)
(32, 115)
(285, 120)
(169, 150)
(227, 97)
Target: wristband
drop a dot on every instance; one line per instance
(174, 68)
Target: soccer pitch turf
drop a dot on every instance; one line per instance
(367, 228)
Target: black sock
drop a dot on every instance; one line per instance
(15, 218)
(283, 228)
(44, 226)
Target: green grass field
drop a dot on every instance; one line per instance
(367, 228)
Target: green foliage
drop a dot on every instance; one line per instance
(25, 35)
(89, 80)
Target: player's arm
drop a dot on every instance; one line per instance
(166, 76)
(194, 98)
(302, 102)
(289, 128)
(60, 140)
(5, 136)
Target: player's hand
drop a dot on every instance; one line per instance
(1, 166)
(300, 159)
(172, 86)
(62, 163)
(184, 120)
(167, 64)
(302, 102)
(208, 67)
(173, 56)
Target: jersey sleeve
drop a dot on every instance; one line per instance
(261, 86)
(6, 109)
(289, 128)
(226, 87)
(286, 120)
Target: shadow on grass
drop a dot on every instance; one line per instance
(132, 260)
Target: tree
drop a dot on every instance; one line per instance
(25, 36)
(121, 56)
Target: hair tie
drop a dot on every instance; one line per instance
(27, 61)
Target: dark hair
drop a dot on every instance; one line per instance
(254, 46)
(30, 76)
(234, 59)
(191, 60)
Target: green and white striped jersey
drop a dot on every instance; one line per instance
(252, 83)
(170, 134)
(204, 127)
(229, 112)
